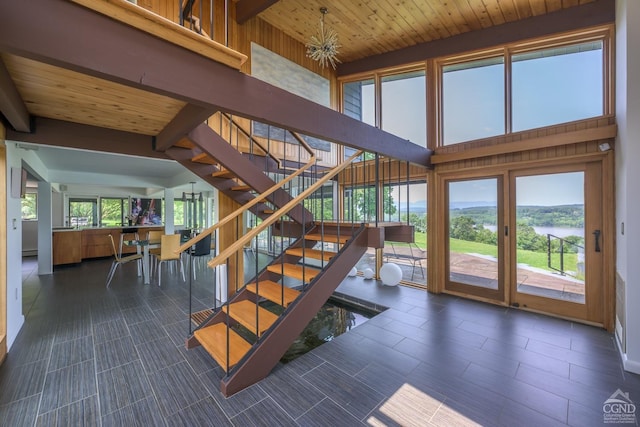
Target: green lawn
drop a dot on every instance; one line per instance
(533, 259)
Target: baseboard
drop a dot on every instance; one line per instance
(630, 365)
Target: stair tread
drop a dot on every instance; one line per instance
(224, 173)
(214, 339)
(244, 312)
(274, 292)
(329, 238)
(311, 253)
(204, 158)
(241, 188)
(268, 211)
(295, 271)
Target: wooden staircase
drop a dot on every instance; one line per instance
(238, 175)
(246, 336)
(247, 340)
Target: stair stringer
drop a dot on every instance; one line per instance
(211, 143)
(259, 362)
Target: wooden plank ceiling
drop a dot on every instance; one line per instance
(373, 27)
(56, 93)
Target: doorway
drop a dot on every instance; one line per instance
(529, 238)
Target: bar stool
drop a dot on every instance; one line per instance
(132, 234)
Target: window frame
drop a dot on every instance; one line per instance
(603, 34)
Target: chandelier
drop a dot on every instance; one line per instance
(324, 46)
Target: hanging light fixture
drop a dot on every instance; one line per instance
(324, 46)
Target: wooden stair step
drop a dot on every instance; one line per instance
(224, 173)
(328, 238)
(214, 339)
(241, 188)
(274, 292)
(244, 312)
(184, 143)
(311, 253)
(295, 271)
(204, 158)
(268, 211)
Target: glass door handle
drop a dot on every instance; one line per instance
(597, 236)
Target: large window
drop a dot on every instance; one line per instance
(404, 106)
(113, 211)
(29, 206)
(473, 100)
(557, 85)
(83, 212)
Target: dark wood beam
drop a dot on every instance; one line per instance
(573, 18)
(247, 9)
(11, 104)
(62, 33)
(73, 135)
(184, 122)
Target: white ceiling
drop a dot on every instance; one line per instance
(91, 172)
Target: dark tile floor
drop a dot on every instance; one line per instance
(115, 357)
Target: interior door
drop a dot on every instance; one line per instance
(556, 240)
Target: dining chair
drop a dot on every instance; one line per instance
(154, 236)
(127, 234)
(118, 260)
(200, 250)
(169, 244)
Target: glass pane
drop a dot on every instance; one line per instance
(550, 235)
(408, 204)
(557, 85)
(360, 204)
(473, 100)
(473, 219)
(404, 106)
(29, 206)
(359, 103)
(112, 211)
(83, 212)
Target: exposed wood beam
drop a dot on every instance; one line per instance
(599, 12)
(247, 9)
(11, 104)
(155, 65)
(73, 135)
(184, 122)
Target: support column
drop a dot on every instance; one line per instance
(227, 235)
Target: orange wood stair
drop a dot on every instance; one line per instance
(204, 158)
(311, 253)
(328, 238)
(241, 188)
(244, 312)
(214, 339)
(295, 271)
(224, 173)
(274, 292)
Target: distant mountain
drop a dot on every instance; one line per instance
(466, 205)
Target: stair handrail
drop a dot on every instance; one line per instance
(242, 209)
(242, 241)
(255, 141)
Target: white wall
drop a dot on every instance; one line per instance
(29, 238)
(627, 172)
(15, 318)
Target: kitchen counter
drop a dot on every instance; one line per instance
(72, 245)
